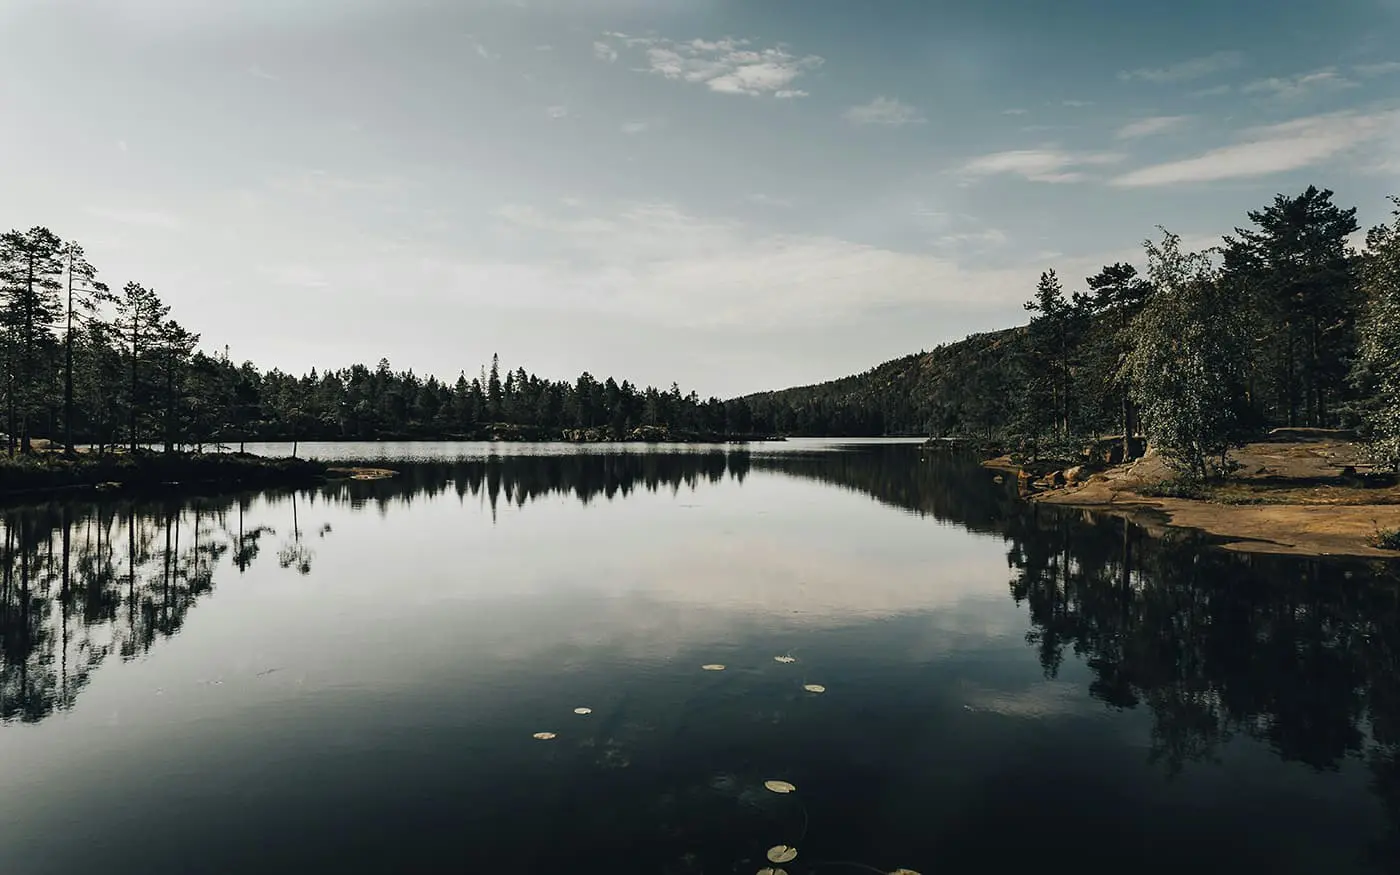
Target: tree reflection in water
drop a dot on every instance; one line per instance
(1302, 655)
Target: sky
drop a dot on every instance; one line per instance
(736, 195)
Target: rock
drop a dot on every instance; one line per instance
(1073, 475)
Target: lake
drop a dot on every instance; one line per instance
(351, 678)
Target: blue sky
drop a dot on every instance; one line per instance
(734, 195)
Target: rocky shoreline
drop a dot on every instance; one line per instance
(1295, 491)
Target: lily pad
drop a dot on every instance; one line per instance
(583, 710)
(785, 659)
(768, 870)
(904, 872)
(814, 688)
(779, 786)
(713, 666)
(782, 854)
(544, 736)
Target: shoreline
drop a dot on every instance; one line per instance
(48, 476)
(1295, 497)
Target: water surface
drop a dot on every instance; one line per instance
(349, 678)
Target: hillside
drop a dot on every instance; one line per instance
(959, 388)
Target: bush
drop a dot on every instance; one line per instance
(1386, 539)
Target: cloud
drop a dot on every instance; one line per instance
(1213, 91)
(135, 217)
(121, 145)
(1013, 111)
(1384, 68)
(989, 238)
(635, 127)
(1195, 68)
(656, 262)
(299, 276)
(767, 200)
(728, 65)
(1149, 126)
(1039, 165)
(1288, 87)
(883, 111)
(557, 111)
(1076, 104)
(1271, 149)
(544, 48)
(260, 73)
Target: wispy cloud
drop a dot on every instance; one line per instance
(1039, 165)
(1288, 87)
(137, 217)
(1076, 104)
(1271, 149)
(1213, 91)
(883, 111)
(989, 238)
(1194, 68)
(299, 276)
(557, 111)
(1148, 127)
(546, 47)
(768, 200)
(638, 127)
(1383, 68)
(728, 65)
(654, 261)
(1013, 111)
(260, 73)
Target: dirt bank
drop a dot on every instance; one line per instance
(1298, 491)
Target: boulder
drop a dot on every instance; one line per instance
(1073, 475)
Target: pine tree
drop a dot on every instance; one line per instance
(140, 315)
(84, 295)
(31, 265)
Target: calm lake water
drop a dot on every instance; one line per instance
(349, 679)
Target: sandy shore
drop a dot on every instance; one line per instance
(1292, 494)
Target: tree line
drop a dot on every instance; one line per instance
(86, 364)
(1283, 323)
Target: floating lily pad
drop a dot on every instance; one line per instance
(714, 666)
(779, 786)
(766, 870)
(785, 659)
(814, 688)
(544, 736)
(583, 710)
(782, 854)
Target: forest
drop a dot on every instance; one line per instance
(1283, 323)
(89, 365)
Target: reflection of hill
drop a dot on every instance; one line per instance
(941, 485)
(1302, 655)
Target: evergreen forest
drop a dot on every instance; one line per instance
(1283, 323)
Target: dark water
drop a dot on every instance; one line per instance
(348, 679)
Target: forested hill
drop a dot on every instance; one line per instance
(962, 387)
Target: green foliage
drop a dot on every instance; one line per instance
(1378, 366)
(1188, 361)
(1386, 539)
